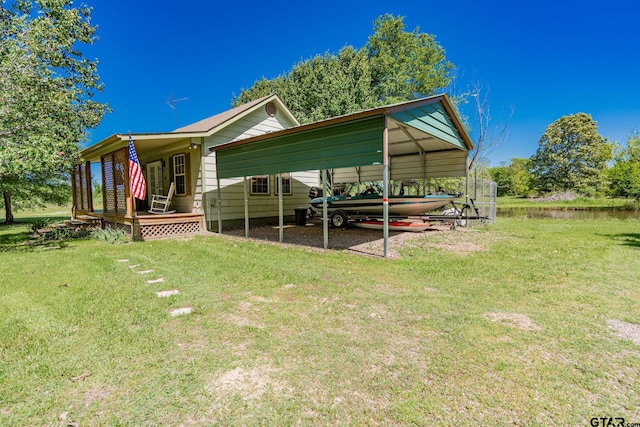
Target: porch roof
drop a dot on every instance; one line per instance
(203, 128)
(143, 142)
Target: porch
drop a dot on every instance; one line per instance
(146, 226)
(120, 210)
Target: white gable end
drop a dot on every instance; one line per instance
(256, 123)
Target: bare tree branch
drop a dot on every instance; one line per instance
(474, 108)
(489, 135)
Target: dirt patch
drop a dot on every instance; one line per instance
(626, 331)
(459, 247)
(519, 320)
(356, 240)
(245, 310)
(248, 384)
(97, 394)
(243, 321)
(567, 195)
(462, 241)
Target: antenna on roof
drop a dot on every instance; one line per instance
(172, 104)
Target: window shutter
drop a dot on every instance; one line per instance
(170, 168)
(187, 172)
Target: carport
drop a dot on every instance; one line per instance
(424, 139)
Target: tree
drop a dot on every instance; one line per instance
(321, 87)
(571, 155)
(405, 65)
(394, 66)
(329, 85)
(46, 90)
(520, 176)
(487, 133)
(624, 175)
(513, 179)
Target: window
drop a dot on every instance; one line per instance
(260, 184)
(286, 184)
(179, 174)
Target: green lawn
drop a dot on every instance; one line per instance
(505, 325)
(582, 203)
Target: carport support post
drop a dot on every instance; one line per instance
(280, 209)
(325, 219)
(466, 182)
(385, 186)
(219, 206)
(246, 207)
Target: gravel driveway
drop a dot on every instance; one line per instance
(358, 240)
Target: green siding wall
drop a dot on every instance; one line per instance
(355, 143)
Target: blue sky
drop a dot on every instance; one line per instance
(546, 59)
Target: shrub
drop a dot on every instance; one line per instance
(110, 235)
(41, 223)
(65, 233)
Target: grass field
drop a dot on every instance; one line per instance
(581, 203)
(526, 322)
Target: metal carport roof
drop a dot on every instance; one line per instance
(428, 125)
(414, 134)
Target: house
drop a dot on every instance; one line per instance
(183, 157)
(226, 168)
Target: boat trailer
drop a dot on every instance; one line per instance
(457, 215)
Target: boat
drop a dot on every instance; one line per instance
(393, 225)
(371, 204)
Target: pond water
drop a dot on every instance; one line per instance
(566, 214)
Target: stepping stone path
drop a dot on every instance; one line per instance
(161, 294)
(165, 294)
(180, 311)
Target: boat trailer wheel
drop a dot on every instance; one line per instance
(338, 219)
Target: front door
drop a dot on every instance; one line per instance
(154, 179)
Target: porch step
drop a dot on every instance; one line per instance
(76, 223)
(42, 232)
(62, 226)
(95, 221)
(68, 224)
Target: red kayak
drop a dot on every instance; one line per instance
(393, 225)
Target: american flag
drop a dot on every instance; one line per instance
(136, 180)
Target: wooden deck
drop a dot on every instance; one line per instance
(146, 226)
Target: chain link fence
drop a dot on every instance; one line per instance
(482, 194)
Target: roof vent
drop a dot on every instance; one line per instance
(270, 108)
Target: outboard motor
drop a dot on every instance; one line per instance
(315, 192)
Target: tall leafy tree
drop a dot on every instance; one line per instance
(394, 66)
(330, 85)
(624, 175)
(46, 91)
(405, 65)
(324, 86)
(571, 155)
(513, 179)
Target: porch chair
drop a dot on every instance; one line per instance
(160, 204)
